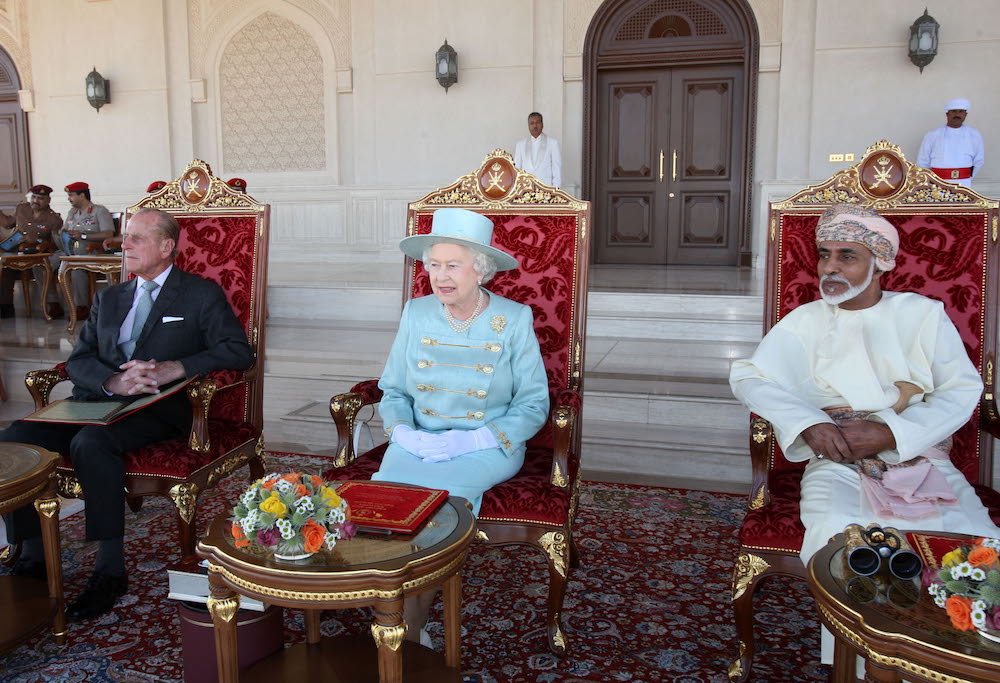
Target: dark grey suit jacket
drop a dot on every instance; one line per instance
(206, 335)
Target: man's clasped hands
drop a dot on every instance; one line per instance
(850, 441)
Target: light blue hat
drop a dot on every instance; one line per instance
(459, 226)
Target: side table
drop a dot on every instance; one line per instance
(24, 262)
(109, 265)
(368, 570)
(27, 475)
(894, 625)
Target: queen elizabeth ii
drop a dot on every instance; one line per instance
(464, 386)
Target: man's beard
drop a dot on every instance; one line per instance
(837, 299)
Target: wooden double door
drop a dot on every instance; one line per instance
(14, 160)
(668, 166)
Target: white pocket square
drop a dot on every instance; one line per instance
(171, 319)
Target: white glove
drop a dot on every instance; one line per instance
(458, 442)
(414, 440)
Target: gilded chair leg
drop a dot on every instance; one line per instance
(556, 545)
(747, 573)
(574, 554)
(185, 497)
(258, 463)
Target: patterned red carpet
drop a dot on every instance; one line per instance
(650, 602)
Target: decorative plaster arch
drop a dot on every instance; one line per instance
(14, 39)
(245, 13)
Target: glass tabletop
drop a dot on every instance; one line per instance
(17, 460)
(907, 607)
(367, 549)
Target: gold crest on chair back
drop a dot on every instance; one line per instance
(223, 238)
(547, 230)
(948, 251)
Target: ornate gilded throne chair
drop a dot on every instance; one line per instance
(223, 238)
(548, 231)
(948, 251)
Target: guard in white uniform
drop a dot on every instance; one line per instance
(539, 153)
(954, 151)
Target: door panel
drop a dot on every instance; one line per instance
(668, 165)
(628, 166)
(8, 152)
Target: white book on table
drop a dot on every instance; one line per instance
(189, 582)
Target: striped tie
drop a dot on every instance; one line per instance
(142, 309)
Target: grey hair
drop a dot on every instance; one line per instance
(484, 264)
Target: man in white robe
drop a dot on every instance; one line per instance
(539, 153)
(894, 357)
(954, 151)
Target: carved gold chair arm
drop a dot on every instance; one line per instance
(344, 411)
(200, 393)
(40, 383)
(989, 418)
(761, 440)
(563, 427)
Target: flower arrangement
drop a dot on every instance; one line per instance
(291, 514)
(968, 585)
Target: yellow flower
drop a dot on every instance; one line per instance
(330, 497)
(953, 558)
(273, 505)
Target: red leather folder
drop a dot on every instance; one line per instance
(390, 507)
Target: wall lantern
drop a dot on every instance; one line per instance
(923, 40)
(446, 66)
(98, 90)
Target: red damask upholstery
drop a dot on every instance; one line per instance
(223, 238)
(547, 231)
(947, 252)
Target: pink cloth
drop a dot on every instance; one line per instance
(912, 492)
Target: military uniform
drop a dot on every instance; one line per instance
(95, 218)
(436, 379)
(35, 231)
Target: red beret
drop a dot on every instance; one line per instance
(156, 186)
(76, 187)
(238, 183)
(40, 189)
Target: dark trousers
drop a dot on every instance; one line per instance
(96, 452)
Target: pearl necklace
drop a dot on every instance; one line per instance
(463, 326)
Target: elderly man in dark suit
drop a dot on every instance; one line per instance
(161, 326)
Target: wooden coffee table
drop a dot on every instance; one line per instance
(373, 570)
(894, 625)
(28, 605)
(108, 265)
(23, 263)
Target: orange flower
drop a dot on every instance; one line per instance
(292, 478)
(982, 557)
(301, 490)
(314, 535)
(317, 482)
(240, 540)
(960, 611)
(269, 484)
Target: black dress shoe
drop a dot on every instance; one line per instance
(29, 569)
(6, 310)
(98, 597)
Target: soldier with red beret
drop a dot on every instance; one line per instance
(237, 184)
(86, 223)
(156, 186)
(30, 229)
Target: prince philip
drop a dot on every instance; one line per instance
(161, 326)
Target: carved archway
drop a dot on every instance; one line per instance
(15, 157)
(651, 59)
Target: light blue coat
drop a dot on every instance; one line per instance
(437, 379)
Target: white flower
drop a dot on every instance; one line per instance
(977, 574)
(249, 496)
(287, 531)
(330, 540)
(961, 570)
(991, 543)
(284, 486)
(939, 600)
(336, 515)
(304, 504)
(934, 588)
(978, 613)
